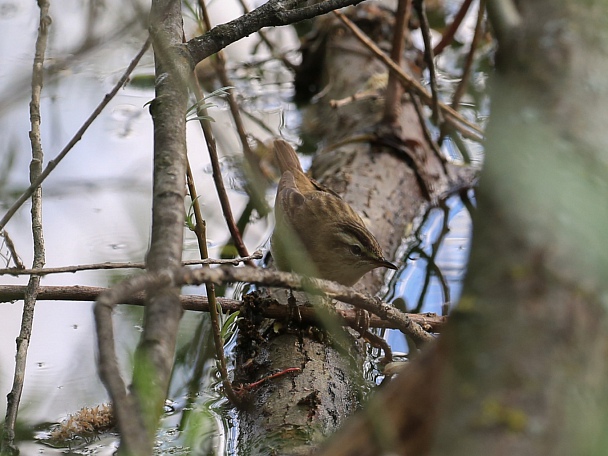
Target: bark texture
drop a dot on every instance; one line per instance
(293, 415)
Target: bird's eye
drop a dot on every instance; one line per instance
(356, 250)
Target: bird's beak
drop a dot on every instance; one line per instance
(386, 264)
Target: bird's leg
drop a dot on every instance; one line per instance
(362, 321)
(294, 311)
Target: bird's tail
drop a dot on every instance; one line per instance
(286, 157)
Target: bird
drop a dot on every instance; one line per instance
(317, 233)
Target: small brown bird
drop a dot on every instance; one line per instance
(317, 233)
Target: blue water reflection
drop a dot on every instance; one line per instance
(435, 265)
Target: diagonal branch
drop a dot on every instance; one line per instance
(271, 13)
(53, 163)
(453, 117)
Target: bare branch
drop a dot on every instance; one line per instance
(394, 89)
(12, 251)
(53, 163)
(454, 118)
(429, 57)
(313, 286)
(448, 35)
(27, 321)
(101, 266)
(430, 322)
(271, 13)
(201, 234)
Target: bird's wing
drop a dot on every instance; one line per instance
(289, 197)
(323, 188)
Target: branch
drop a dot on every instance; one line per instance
(138, 411)
(53, 163)
(310, 285)
(101, 266)
(454, 118)
(12, 251)
(27, 321)
(429, 57)
(271, 13)
(430, 322)
(200, 228)
(394, 89)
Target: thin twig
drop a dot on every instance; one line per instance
(200, 227)
(270, 309)
(101, 266)
(448, 35)
(201, 235)
(253, 385)
(217, 174)
(12, 250)
(53, 163)
(255, 188)
(429, 57)
(427, 134)
(433, 268)
(394, 89)
(268, 43)
(378, 342)
(454, 118)
(359, 96)
(468, 65)
(23, 340)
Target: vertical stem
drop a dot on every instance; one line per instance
(201, 233)
(466, 73)
(23, 340)
(429, 57)
(394, 88)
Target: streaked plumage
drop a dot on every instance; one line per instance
(317, 233)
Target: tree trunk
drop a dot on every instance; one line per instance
(292, 414)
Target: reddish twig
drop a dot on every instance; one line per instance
(253, 385)
(448, 35)
(394, 88)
